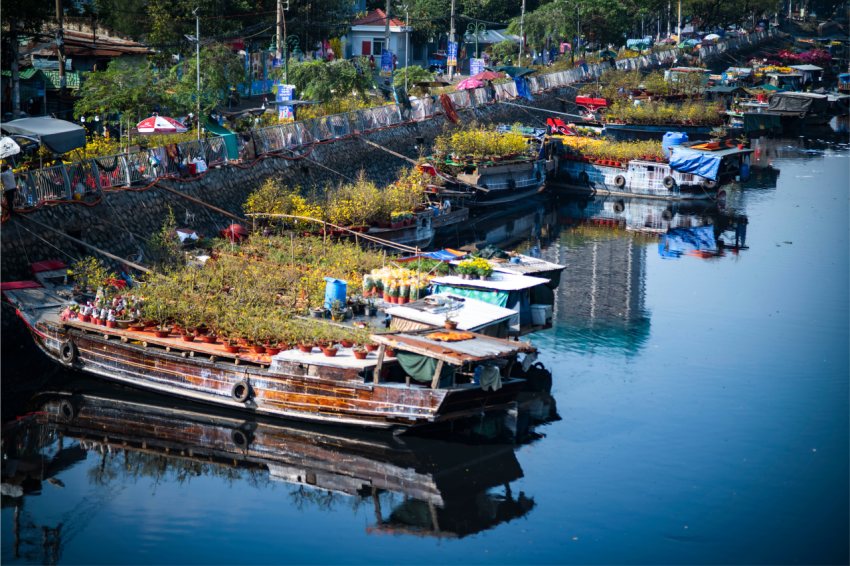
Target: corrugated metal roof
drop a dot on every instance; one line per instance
(497, 282)
(806, 67)
(470, 314)
(25, 75)
(527, 265)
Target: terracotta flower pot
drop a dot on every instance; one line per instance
(306, 348)
(451, 324)
(85, 318)
(209, 339)
(387, 298)
(360, 355)
(136, 327)
(272, 351)
(390, 352)
(161, 333)
(231, 349)
(258, 349)
(403, 300)
(371, 347)
(347, 343)
(329, 352)
(188, 337)
(384, 224)
(200, 330)
(111, 324)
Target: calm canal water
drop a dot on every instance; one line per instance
(690, 407)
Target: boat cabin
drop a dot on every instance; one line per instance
(469, 314)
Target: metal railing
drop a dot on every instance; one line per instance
(60, 182)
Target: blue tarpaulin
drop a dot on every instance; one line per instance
(680, 240)
(442, 255)
(522, 88)
(696, 162)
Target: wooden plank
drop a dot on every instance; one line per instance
(418, 350)
(376, 376)
(436, 381)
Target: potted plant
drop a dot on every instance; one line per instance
(403, 293)
(483, 269)
(742, 141)
(371, 309)
(450, 322)
(360, 353)
(329, 350)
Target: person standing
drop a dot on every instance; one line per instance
(372, 63)
(491, 91)
(7, 178)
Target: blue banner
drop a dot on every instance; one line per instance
(386, 63)
(476, 66)
(285, 92)
(452, 58)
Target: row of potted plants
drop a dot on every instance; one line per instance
(475, 268)
(474, 143)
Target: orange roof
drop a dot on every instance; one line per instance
(377, 18)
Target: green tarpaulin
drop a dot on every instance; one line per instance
(498, 298)
(761, 122)
(422, 368)
(229, 138)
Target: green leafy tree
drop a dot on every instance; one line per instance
(320, 80)
(125, 87)
(220, 68)
(415, 74)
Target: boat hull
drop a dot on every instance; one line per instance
(336, 396)
(642, 180)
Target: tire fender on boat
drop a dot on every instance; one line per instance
(619, 181)
(241, 438)
(667, 214)
(619, 206)
(709, 184)
(241, 391)
(67, 410)
(67, 352)
(668, 182)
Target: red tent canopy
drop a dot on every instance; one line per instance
(488, 76)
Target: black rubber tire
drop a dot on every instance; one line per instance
(709, 184)
(67, 411)
(668, 182)
(619, 207)
(667, 214)
(241, 392)
(67, 352)
(619, 181)
(241, 438)
(583, 178)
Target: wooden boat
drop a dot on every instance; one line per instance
(652, 179)
(444, 482)
(375, 392)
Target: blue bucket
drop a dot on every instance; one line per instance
(335, 290)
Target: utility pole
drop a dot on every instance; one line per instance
(387, 32)
(679, 24)
(60, 51)
(16, 76)
(406, 42)
(521, 34)
(453, 40)
(279, 29)
(668, 18)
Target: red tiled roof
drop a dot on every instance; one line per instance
(377, 18)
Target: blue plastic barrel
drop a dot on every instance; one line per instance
(672, 138)
(335, 290)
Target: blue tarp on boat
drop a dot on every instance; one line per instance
(697, 162)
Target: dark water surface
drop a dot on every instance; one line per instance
(691, 407)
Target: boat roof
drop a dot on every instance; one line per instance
(499, 281)
(806, 67)
(726, 152)
(470, 314)
(526, 266)
(475, 349)
(344, 358)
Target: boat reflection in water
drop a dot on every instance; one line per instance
(421, 486)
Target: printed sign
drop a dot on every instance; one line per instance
(452, 59)
(285, 92)
(476, 66)
(386, 63)
(275, 63)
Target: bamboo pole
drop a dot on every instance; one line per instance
(202, 203)
(80, 242)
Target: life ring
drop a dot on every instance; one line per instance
(709, 184)
(668, 182)
(67, 352)
(619, 207)
(241, 438)
(667, 214)
(619, 181)
(801, 115)
(583, 178)
(241, 392)
(67, 410)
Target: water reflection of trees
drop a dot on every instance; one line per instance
(132, 464)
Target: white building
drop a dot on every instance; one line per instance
(367, 37)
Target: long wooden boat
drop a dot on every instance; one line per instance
(445, 482)
(650, 179)
(376, 392)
